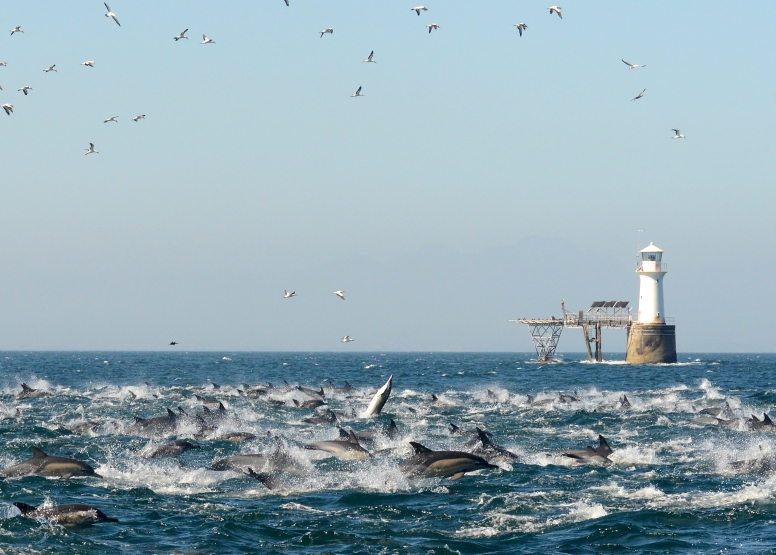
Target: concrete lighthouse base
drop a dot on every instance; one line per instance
(651, 343)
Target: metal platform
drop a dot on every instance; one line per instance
(545, 332)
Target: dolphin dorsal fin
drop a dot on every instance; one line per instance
(25, 508)
(767, 419)
(198, 397)
(603, 445)
(221, 407)
(183, 412)
(171, 415)
(285, 382)
(296, 403)
(343, 433)
(530, 398)
(26, 387)
(347, 384)
(352, 438)
(38, 453)
(419, 448)
(392, 425)
(453, 428)
(206, 410)
(483, 437)
(434, 397)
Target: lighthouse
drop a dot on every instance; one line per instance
(650, 339)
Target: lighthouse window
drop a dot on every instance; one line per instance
(651, 256)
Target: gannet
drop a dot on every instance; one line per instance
(287, 4)
(639, 95)
(678, 135)
(369, 59)
(556, 9)
(347, 339)
(89, 63)
(4, 64)
(8, 108)
(632, 66)
(137, 118)
(521, 27)
(114, 118)
(24, 89)
(329, 30)
(91, 150)
(419, 9)
(432, 27)
(358, 93)
(111, 14)
(173, 342)
(16, 30)
(206, 40)
(181, 36)
(289, 295)
(340, 294)
(51, 68)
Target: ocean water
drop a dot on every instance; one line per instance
(670, 488)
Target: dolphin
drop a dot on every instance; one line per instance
(391, 432)
(41, 464)
(624, 403)
(347, 388)
(75, 514)
(170, 449)
(378, 401)
(213, 417)
(254, 391)
(236, 436)
(725, 411)
(269, 481)
(458, 431)
(208, 401)
(563, 398)
(705, 420)
(28, 393)
(426, 463)
(757, 424)
(327, 417)
(344, 449)
(311, 392)
(491, 451)
(531, 400)
(278, 461)
(132, 395)
(160, 425)
(599, 454)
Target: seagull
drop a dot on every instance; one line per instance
(8, 108)
(289, 295)
(173, 342)
(24, 89)
(51, 68)
(632, 66)
(206, 40)
(16, 30)
(138, 118)
(181, 36)
(91, 150)
(556, 9)
(369, 59)
(521, 27)
(432, 26)
(639, 96)
(114, 118)
(358, 93)
(89, 63)
(287, 4)
(111, 14)
(347, 339)
(678, 135)
(340, 294)
(4, 64)
(419, 9)
(329, 30)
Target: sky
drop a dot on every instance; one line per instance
(483, 176)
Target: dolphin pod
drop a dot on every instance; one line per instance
(74, 514)
(41, 464)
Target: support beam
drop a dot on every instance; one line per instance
(587, 342)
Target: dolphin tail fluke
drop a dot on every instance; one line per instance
(38, 453)
(419, 448)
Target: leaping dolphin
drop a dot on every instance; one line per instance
(41, 464)
(378, 401)
(426, 463)
(599, 454)
(74, 514)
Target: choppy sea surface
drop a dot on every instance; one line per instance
(673, 486)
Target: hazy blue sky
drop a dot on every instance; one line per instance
(483, 176)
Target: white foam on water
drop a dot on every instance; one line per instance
(300, 507)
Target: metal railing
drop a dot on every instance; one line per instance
(659, 266)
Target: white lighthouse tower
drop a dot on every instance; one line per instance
(651, 273)
(650, 339)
